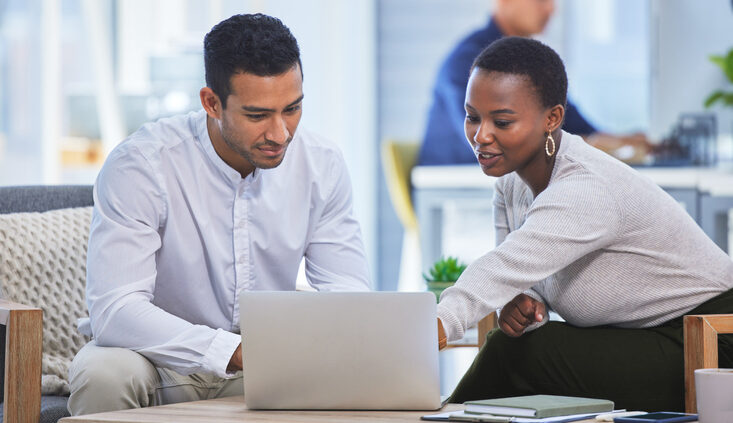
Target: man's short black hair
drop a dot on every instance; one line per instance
(258, 44)
(531, 58)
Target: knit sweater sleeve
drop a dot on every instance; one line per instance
(501, 228)
(574, 216)
(501, 221)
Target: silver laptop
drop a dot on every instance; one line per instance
(340, 350)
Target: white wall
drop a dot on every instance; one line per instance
(415, 36)
(686, 32)
(605, 46)
(338, 49)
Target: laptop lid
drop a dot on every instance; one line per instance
(340, 350)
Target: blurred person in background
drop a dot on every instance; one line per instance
(444, 142)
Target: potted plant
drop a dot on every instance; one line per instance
(443, 274)
(726, 65)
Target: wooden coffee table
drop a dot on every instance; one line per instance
(233, 410)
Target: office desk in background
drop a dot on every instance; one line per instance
(706, 194)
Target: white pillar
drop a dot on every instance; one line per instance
(50, 90)
(111, 122)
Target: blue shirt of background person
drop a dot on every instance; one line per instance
(444, 142)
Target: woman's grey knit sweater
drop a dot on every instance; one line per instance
(601, 245)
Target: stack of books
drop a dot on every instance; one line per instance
(530, 408)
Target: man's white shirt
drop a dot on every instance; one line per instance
(177, 235)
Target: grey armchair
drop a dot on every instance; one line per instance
(21, 324)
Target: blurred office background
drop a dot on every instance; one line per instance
(77, 76)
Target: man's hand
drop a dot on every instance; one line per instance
(442, 338)
(235, 363)
(632, 148)
(519, 313)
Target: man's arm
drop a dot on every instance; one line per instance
(452, 86)
(335, 258)
(576, 123)
(445, 139)
(121, 274)
(631, 148)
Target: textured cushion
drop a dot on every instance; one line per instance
(43, 264)
(41, 198)
(53, 409)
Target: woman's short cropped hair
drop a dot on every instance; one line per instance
(531, 58)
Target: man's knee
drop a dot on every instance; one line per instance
(106, 379)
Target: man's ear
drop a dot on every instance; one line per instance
(211, 103)
(555, 117)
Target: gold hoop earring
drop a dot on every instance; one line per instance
(548, 141)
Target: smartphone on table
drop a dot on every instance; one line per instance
(658, 417)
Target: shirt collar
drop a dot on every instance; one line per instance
(203, 136)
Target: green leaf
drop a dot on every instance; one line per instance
(712, 98)
(728, 68)
(719, 95)
(447, 269)
(728, 99)
(718, 60)
(725, 63)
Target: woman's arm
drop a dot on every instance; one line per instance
(520, 314)
(574, 217)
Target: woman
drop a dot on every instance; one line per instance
(584, 235)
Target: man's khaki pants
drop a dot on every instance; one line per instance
(109, 379)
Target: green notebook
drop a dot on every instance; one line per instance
(538, 406)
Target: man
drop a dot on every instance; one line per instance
(192, 210)
(444, 141)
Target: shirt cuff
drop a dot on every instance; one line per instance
(545, 316)
(537, 325)
(221, 349)
(532, 293)
(451, 323)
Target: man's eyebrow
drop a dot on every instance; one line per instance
(298, 100)
(256, 109)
